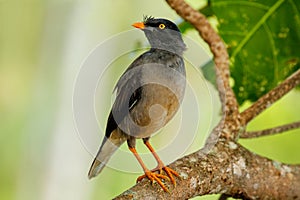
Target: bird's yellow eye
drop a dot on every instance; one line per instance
(161, 26)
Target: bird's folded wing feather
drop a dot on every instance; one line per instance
(128, 93)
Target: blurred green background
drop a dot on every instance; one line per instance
(42, 46)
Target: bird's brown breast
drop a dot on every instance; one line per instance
(157, 107)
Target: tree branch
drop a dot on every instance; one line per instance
(270, 131)
(228, 169)
(223, 166)
(272, 96)
(218, 49)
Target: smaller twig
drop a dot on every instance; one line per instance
(271, 131)
(217, 47)
(271, 97)
(221, 59)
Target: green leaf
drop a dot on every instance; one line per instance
(263, 39)
(208, 71)
(185, 26)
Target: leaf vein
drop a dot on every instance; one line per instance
(255, 28)
(295, 9)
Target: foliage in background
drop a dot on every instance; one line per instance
(263, 39)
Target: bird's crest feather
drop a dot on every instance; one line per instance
(147, 18)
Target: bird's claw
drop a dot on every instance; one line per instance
(170, 172)
(158, 177)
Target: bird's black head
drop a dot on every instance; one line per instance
(162, 24)
(162, 34)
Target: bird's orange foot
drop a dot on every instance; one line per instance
(170, 172)
(151, 175)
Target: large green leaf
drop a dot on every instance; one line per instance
(263, 38)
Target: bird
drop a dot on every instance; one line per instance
(148, 95)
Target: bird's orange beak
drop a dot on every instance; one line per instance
(139, 25)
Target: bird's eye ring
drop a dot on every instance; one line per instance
(161, 26)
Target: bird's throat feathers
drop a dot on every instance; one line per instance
(173, 44)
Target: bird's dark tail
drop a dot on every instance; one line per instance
(107, 149)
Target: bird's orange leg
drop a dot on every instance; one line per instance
(152, 176)
(160, 165)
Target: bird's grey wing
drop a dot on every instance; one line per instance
(123, 104)
(128, 93)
